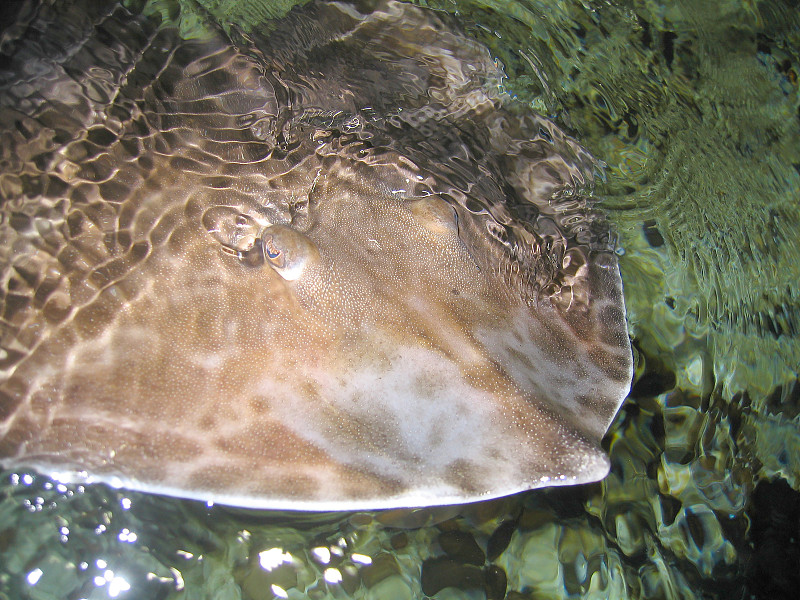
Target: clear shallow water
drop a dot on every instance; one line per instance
(696, 116)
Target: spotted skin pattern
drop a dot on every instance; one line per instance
(330, 268)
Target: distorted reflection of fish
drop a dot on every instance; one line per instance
(330, 267)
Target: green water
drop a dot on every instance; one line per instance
(693, 107)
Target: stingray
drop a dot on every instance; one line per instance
(327, 265)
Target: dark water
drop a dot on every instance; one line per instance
(694, 111)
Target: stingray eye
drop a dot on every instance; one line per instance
(288, 251)
(273, 254)
(435, 214)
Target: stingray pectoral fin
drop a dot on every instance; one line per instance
(264, 466)
(414, 432)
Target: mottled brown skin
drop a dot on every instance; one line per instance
(220, 283)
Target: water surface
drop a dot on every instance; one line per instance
(695, 114)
